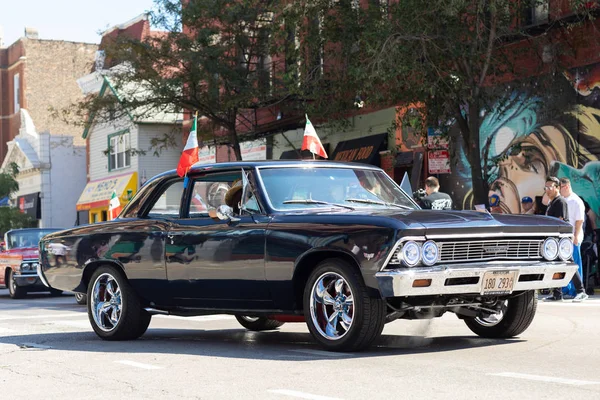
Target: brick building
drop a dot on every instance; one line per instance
(38, 74)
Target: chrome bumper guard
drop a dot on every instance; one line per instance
(399, 282)
(40, 274)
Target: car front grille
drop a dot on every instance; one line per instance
(481, 250)
(466, 251)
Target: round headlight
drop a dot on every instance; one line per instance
(411, 253)
(25, 267)
(430, 253)
(550, 249)
(565, 249)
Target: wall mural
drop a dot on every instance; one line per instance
(524, 139)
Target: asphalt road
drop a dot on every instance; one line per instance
(48, 351)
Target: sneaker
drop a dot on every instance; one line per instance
(554, 298)
(580, 297)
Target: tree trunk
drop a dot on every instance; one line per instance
(480, 186)
(235, 143)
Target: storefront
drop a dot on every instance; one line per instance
(96, 196)
(363, 150)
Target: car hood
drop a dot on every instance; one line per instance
(26, 253)
(475, 223)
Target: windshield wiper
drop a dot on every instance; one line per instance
(311, 201)
(381, 203)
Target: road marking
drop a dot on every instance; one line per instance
(323, 353)
(40, 316)
(201, 318)
(301, 395)
(569, 303)
(5, 330)
(84, 324)
(137, 364)
(550, 379)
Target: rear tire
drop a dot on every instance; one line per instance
(515, 319)
(15, 291)
(258, 324)
(114, 309)
(81, 298)
(339, 312)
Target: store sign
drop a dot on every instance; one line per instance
(435, 139)
(30, 204)
(254, 150)
(439, 162)
(207, 155)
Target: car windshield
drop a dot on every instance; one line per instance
(26, 238)
(319, 187)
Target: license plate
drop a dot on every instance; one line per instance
(498, 282)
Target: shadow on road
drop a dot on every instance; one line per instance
(240, 343)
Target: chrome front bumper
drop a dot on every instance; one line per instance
(531, 275)
(27, 279)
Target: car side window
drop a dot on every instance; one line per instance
(167, 205)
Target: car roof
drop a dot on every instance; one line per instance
(199, 167)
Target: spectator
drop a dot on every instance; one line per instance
(527, 205)
(576, 211)
(435, 200)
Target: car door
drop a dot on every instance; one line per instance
(214, 263)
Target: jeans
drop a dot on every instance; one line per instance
(576, 284)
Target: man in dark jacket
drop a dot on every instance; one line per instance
(435, 200)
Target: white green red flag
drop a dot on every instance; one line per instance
(189, 156)
(311, 141)
(114, 206)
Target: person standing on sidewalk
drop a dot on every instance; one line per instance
(576, 210)
(435, 200)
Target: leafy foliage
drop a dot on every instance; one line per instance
(10, 217)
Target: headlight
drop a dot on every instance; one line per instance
(550, 249)
(25, 267)
(565, 249)
(411, 253)
(430, 253)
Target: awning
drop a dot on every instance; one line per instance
(98, 193)
(364, 150)
(4, 201)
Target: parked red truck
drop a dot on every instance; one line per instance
(19, 260)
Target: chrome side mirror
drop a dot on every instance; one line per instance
(225, 213)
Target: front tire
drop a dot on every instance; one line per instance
(258, 323)
(516, 316)
(339, 312)
(15, 291)
(114, 309)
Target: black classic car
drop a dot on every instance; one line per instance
(337, 245)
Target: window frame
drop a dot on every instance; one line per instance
(17, 92)
(126, 152)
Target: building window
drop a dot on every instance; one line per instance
(17, 92)
(119, 154)
(536, 13)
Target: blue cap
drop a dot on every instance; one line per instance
(494, 200)
(526, 199)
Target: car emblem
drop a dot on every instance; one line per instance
(368, 256)
(497, 249)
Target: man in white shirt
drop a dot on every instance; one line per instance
(576, 217)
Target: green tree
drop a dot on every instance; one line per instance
(212, 57)
(10, 217)
(452, 58)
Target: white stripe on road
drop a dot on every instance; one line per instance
(84, 324)
(550, 379)
(569, 303)
(138, 365)
(40, 316)
(324, 353)
(301, 395)
(5, 330)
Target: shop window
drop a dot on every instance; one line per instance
(104, 215)
(119, 151)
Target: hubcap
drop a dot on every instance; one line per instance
(332, 306)
(106, 302)
(249, 319)
(493, 319)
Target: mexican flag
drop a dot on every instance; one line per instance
(311, 141)
(189, 156)
(114, 206)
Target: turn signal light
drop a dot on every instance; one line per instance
(421, 283)
(558, 276)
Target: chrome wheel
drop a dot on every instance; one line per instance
(249, 319)
(332, 306)
(493, 319)
(106, 302)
